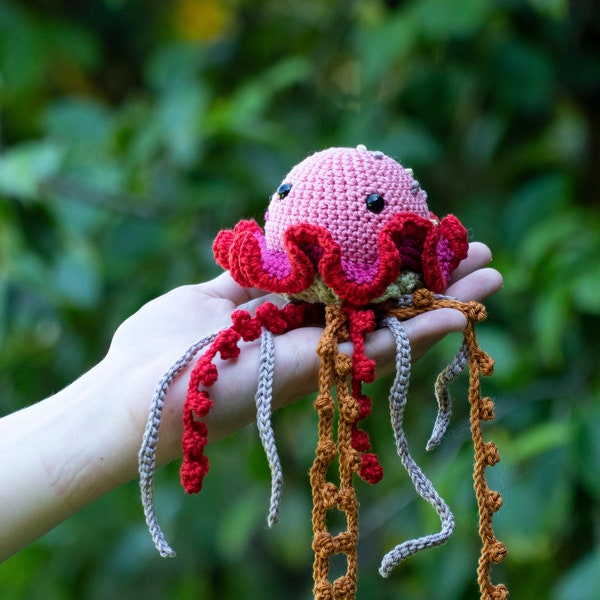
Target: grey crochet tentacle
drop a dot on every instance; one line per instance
(147, 453)
(442, 395)
(404, 300)
(264, 394)
(424, 487)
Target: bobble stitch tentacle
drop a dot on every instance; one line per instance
(248, 328)
(198, 403)
(362, 322)
(343, 497)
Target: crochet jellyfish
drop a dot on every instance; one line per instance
(348, 240)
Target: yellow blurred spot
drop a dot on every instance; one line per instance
(202, 20)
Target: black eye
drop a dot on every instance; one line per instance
(283, 190)
(375, 203)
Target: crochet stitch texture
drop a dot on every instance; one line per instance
(322, 226)
(350, 241)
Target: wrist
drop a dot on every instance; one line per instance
(59, 455)
(91, 449)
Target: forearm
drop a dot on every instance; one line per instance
(58, 456)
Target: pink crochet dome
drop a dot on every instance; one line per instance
(345, 223)
(329, 189)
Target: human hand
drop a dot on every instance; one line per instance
(150, 341)
(88, 434)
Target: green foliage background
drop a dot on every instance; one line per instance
(133, 131)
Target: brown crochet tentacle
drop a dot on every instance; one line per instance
(333, 373)
(486, 454)
(482, 409)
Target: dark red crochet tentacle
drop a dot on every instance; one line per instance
(197, 405)
(362, 322)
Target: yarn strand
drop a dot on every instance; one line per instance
(424, 487)
(482, 409)
(147, 452)
(264, 395)
(333, 373)
(486, 454)
(442, 395)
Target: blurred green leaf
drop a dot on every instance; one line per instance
(530, 206)
(25, 167)
(180, 115)
(586, 446)
(75, 278)
(586, 289)
(80, 121)
(237, 528)
(556, 9)
(538, 440)
(502, 348)
(551, 319)
(524, 76)
(582, 582)
(243, 112)
(385, 43)
(444, 19)
(21, 49)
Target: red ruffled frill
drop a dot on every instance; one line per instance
(407, 242)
